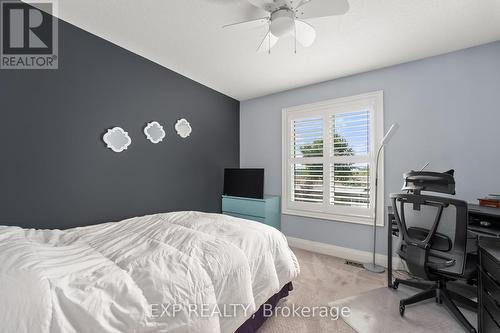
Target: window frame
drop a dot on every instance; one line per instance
(373, 101)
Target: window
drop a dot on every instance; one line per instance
(329, 158)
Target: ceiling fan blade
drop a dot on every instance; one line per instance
(267, 5)
(307, 9)
(248, 24)
(304, 33)
(267, 43)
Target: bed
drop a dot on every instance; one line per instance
(172, 272)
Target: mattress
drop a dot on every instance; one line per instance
(172, 272)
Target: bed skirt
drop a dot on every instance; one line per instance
(256, 321)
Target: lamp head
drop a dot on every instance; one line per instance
(390, 133)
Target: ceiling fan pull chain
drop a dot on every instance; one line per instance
(269, 52)
(295, 36)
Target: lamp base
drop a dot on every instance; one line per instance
(374, 268)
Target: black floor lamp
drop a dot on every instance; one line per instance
(373, 267)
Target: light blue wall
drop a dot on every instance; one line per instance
(449, 111)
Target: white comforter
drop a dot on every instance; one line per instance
(174, 272)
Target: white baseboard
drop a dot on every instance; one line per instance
(343, 252)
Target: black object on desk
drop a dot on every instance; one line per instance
(489, 285)
(484, 221)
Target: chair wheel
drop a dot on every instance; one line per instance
(395, 285)
(401, 310)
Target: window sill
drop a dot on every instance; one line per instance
(333, 217)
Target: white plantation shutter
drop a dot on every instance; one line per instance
(351, 133)
(308, 137)
(307, 144)
(328, 160)
(349, 179)
(308, 183)
(350, 184)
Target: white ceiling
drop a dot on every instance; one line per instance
(186, 36)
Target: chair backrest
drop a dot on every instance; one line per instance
(433, 233)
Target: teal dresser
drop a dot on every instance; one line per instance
(265, 210)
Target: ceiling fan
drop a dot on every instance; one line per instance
(287, 18)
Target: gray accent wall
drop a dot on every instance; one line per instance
(449, 111)
(55, 171)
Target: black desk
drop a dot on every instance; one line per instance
(476, 214)
(489, 282)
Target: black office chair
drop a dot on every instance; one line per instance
(431, 254)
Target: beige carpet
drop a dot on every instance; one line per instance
(327, 281)
(323, 280)
(371, 315)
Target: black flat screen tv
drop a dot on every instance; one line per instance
(247, 183)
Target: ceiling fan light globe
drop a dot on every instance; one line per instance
(282, 22)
